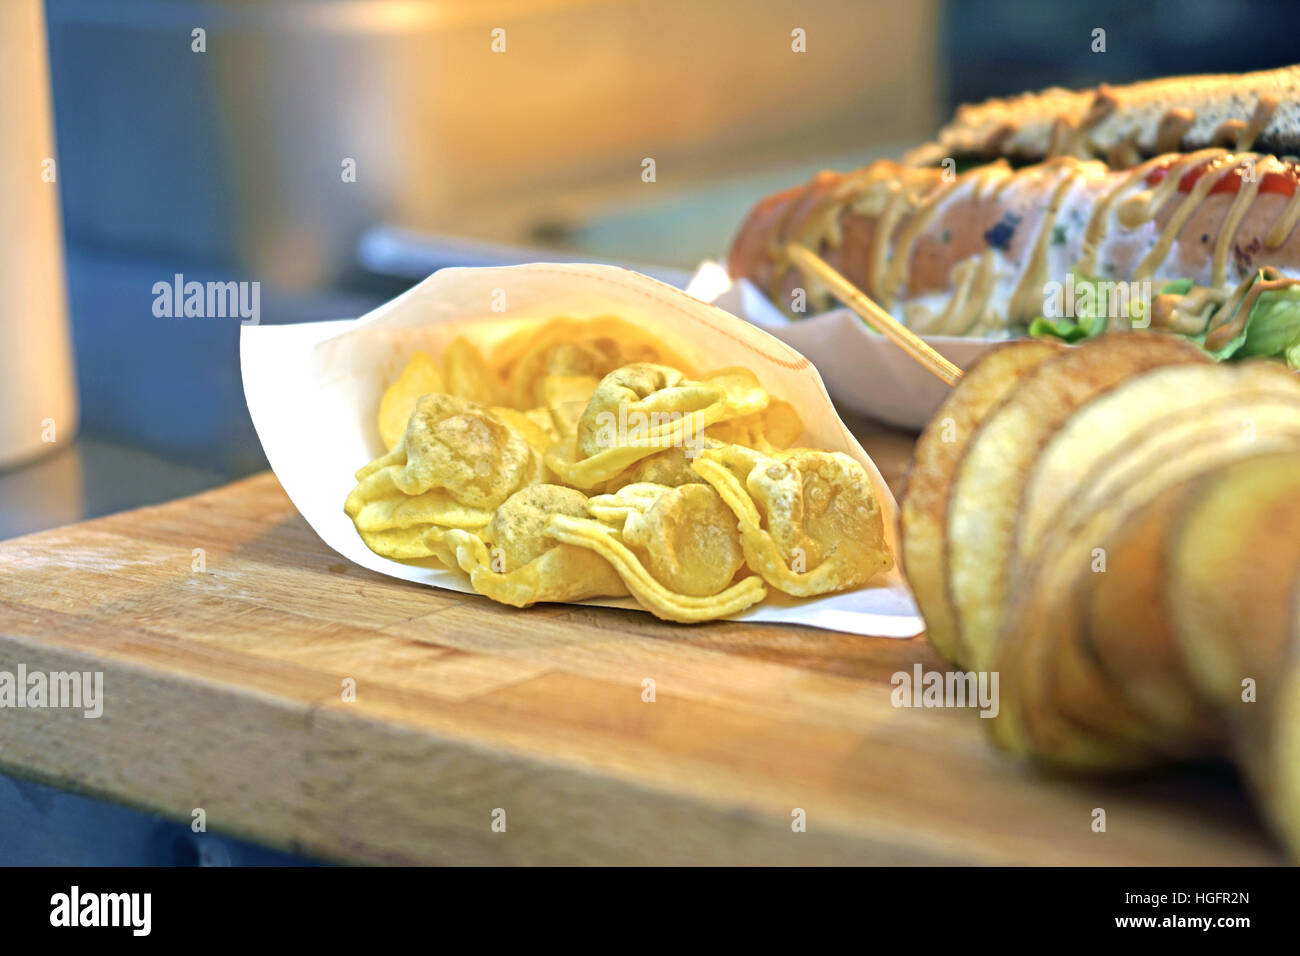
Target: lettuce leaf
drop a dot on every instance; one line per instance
(1272, 330)
(1273, 327)
(1091, 308)
(1065, 329)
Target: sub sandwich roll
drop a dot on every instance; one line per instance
(1204, 244)
(1122, 124)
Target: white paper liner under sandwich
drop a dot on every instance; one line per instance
(313, 392)
(865, 372)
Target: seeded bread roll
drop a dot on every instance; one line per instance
(1123, 124)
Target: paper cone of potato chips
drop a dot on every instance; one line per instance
(314, 393)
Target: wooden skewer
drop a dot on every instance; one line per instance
(872, 314)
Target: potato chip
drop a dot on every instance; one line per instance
(634, 344)
(671, 467)
(400, 544)
(776, 427)
(613, 508)
(395, 524)
(376, 504)
(459, 446)
(659, 600)
(565, 398)
(809, 520)
(507, 353)
(686, 537)
(420, 377)
(515, 562)
(534, 425)
(588, 358)
(643, 408)
(468, 376)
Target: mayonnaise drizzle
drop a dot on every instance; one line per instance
(914, 198)
(1228, 230)
(1158, 252)
(1034, 276)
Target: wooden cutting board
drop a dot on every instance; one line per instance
(224, 685)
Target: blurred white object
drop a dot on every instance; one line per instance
(38, 399)
(863, 371)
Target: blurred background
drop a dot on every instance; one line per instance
(336, 151)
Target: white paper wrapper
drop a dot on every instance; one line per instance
(313, 392)
(864, 371)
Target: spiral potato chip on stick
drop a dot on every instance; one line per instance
(1153, 607)
(809, 520)
(643, 408)
(514, 562)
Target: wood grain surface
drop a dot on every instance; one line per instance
(223, 691)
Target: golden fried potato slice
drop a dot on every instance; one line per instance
(1231, 567)
(1280, 790)
(1127, 632)
(986, 491)
(809, 520)
(642, 409)
(1047, 607)
(685, 536)
(1234, 562)
(1104, 448)
(659, 600)
(1151, 673)
(1125, 417)
(1057, 702)
(420, 377)
(513, 561)
(934, 462)
(468, 376)
(637, 343)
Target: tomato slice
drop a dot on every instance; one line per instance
(1281, 184)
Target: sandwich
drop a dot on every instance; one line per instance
(1065, 227)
